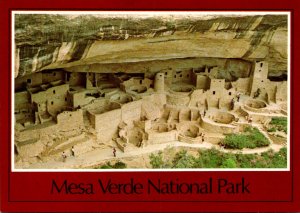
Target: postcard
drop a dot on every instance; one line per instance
(143, 109)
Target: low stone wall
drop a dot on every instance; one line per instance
(83, 147)
(186, 139)
(30, 150)
(161, 137)
(218, 128)
(178, 99)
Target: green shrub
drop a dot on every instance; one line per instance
(117, 165)
(183, 160)
(212, 158)
(120, 165)
(229, 163)
(279, 124)
(250, 138)
(156, 160)
(273, 129)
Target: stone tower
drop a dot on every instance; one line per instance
(259, 77)
(159, 82)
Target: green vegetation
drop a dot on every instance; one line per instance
(250, 138)
(117, 165)
(278, 124)
(156, 160)
(212, 158)
(273, 129)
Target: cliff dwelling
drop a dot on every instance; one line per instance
(86, 85)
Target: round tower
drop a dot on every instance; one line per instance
(159, 82)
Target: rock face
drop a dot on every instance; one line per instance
(81, 42)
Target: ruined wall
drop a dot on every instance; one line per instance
(281, 92)
(178, 98)
(22, 99)
(161, 137)
(57, 98)
(106, 124)
(226, 99)
(48, 77)
(270, 88)
(212, 72)
(219, 128)
(168, 75)
(159, 99)
(242, 85)
(69, 120)
(150, 111)
(75, 78)
(30, 150)
(31, 80)
(79, 99)
(22, 106)
(184, 115)
(54, 97)
(218, 96)
(137, 82)
(202, 82)
(198, 98)
(215, 92)
(182, 76)
(131, 111)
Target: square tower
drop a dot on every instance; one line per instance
(259, 76)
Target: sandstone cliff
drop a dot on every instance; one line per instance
(66, 41)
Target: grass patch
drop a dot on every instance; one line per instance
(250, 138)
(279, 124)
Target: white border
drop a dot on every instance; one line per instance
(148, 14)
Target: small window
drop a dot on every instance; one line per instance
(66, 99)
(166, 73)
(174, 76)
(29, 81)
(229, 93)
(214, 92)
(53, 91)
(180, 75)
(262, 81)
(52, 102)
(70, 115)
(261, 64)
(141, 81)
